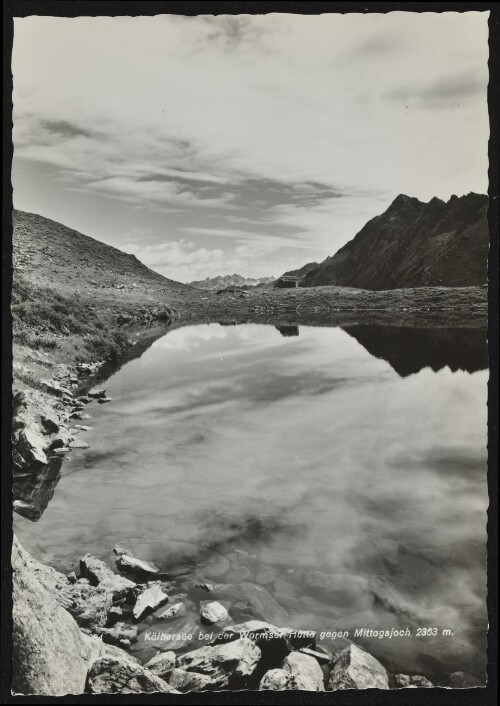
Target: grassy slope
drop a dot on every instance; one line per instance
(68, 293)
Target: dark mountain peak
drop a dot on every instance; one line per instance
(403, 201)
(413, 244)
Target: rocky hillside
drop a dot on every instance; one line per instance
(223, 281)
(302, 271)
(414, 244)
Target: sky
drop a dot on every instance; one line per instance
(244, 144)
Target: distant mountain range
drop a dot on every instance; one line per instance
(412, 244)
(223, 281)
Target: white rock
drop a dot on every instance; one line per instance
(177, 610)
(151, 599)
(162, 664)
(298, 671)
(213, 612)
(224, 664)
(130, 563)
(356, 669)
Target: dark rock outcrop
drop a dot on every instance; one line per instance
(414, 244)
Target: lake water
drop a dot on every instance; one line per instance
(250, 453)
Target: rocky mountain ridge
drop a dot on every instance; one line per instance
(223, 281)
(413, 244)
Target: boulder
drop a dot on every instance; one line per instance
(354, 668)
(29, 449)
(227, 665)
(162, 664)
(151, 599)
(275, 643)
(413, 681)
(99, 574)
(189, 681)
(51, 656)
(77, 444)
(212, 612)
(49, 424)
(89, 605)
(297, 672)
(96, 394)
(116, 672)
(125, 562)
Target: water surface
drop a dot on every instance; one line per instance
(265, 454)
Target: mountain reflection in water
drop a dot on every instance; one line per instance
(314, 465)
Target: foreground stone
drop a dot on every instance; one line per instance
(162, 664)
(116, 672)
(125, 562)
(274, 642)
(212, 612)
(226, 665)
(99, 574)
(189, 681)
(121, 634)
(298, 671)
(414, 681)
(51, 656)
(356, 669)
(151, 599)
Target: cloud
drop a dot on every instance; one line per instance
(446, 91)
(296, 126)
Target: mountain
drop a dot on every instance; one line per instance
(223, 281)
(46, 252)
(414, 244)
(302, 271)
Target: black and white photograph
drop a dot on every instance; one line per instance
(249, 301)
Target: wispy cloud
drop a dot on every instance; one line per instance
(295, 129)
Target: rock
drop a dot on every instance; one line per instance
(151, 599)
(462, 680)
(177, 610)
(119, 551)
(226, 665)
(298, 671)
(120, 634)
(50, 425)
(274, 643)
(162, 664)
(188, 681)
(354, 668)
(212, 612)
(96, 394)
(125, 562)
(98, 573)
(103, 400)
(116, 672)
(89, 605)
(51, 656)
(79, 415)
(72, 577)
(114, 614)
(83, 427)
(406, 681)
(77, 444)
(30, 447)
